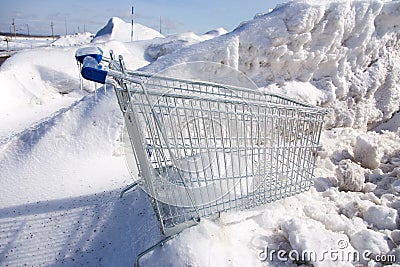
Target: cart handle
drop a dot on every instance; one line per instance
(90, 57)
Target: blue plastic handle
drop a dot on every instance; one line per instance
(90, 57)
(92, 51)
(92, 71)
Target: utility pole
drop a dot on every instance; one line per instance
(27, 27)
(132, 24)
(15, 32)
(160, 24)
(52, 29)
(66, 29)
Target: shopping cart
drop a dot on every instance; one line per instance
(203, 148)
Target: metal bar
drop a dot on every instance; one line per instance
(160, 243)
(231, 100)
(126, 189)
(158, 123)
(233, 88)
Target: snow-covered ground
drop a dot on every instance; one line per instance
(73, 40)
(62, 162)
(19, 43)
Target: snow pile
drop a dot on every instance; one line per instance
(36, 90)
(76, 124)
(214, 33)
(174, 42)
(117, 29)
(349, 50)
(31, 92)
(73, 40)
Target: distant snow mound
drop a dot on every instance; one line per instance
(73, 40)
(216, 32)
(117, 29)
(171, 43)
(349, 50)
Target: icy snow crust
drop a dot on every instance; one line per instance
(62, 163)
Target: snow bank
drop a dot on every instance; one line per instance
(171, 43)
(20, 43)
(117, 29)
(36, 83)
(78, 135)
(216, 32)
(346, 49)
(61, 165)
(73, 40)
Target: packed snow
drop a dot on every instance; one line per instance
(73, 40)
(63, 166)
(8, 43)
(164, 46)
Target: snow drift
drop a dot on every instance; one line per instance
(73, 40)
(161, 47)
(49, 79)
(349, 50)
(117, 29)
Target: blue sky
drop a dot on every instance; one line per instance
(176, 15)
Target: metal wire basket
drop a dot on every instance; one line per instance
(203, 148)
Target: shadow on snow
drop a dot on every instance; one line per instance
(100, 229)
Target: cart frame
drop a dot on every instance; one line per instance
(203, 148)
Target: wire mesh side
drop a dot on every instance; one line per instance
(235, 149)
